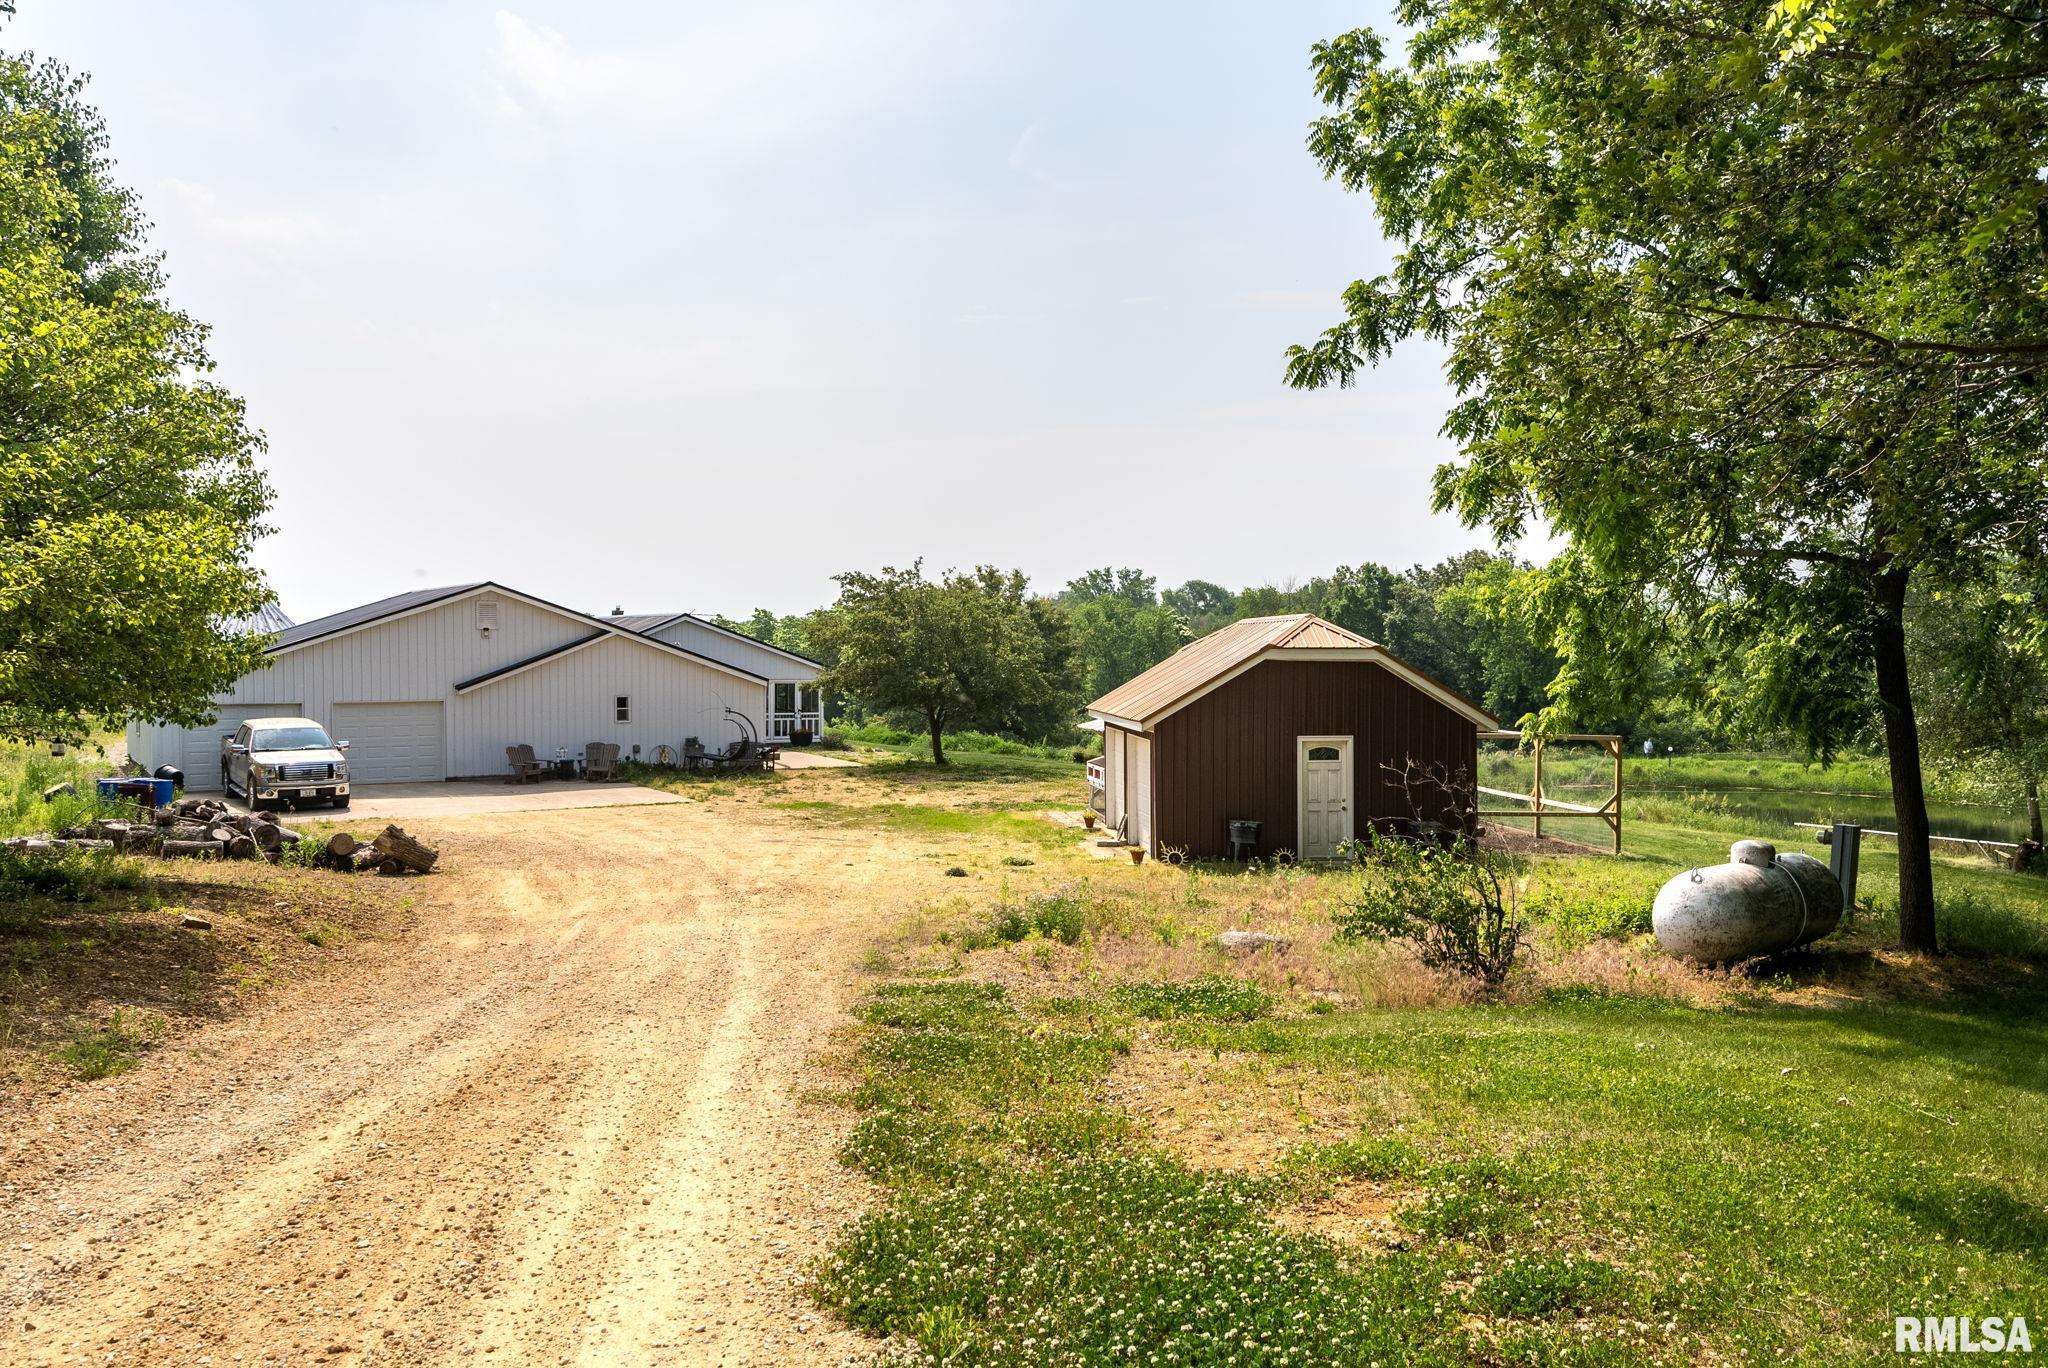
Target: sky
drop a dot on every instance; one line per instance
(670, 306)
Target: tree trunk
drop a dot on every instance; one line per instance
(1902, 747)
(938, 727)
(2034, 811)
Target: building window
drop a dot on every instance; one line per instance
(622, 709)
(1322, 752)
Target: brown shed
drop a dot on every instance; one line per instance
(1292, 722)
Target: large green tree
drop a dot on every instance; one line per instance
(962, 650)
(1756, 321)
(1124, 629)
(129, 493)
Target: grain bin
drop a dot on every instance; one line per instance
(1759, 903)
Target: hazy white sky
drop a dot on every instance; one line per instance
(678, 306)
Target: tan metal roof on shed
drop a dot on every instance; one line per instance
(1199, 664)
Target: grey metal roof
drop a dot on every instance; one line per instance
(367, 613)
(267, 619)
(645, 623)
(640, 622)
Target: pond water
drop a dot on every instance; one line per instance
(1793, 805)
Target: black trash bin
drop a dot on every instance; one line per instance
(1244, 838)
(172, 773)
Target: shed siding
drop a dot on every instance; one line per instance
(1231, 753)
(746, 655)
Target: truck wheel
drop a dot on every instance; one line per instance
(224, 778)
(341, 802)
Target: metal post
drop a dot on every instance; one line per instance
(1536, 792)
(1845, 845)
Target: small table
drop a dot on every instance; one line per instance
(565, 768)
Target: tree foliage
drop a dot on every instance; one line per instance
(1761, 333)
(964, 650)
(129, 493)
(1981, 667)
(1123, 627)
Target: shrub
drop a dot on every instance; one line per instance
(1458, 907)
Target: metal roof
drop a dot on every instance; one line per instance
(464, 685)
(640, 622)
(1200, 664)
(647, 623)
(367, 613)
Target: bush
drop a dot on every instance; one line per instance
(1458, 907)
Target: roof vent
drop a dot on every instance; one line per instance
(486, 615)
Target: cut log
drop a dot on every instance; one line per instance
(86, 843)
(398, 846)
(265, 835)
(365, 857)
(191, 850)
(390, 866)
(242, 848)
(29, 845)
(341, 843)
(222, 833)
(286, 836)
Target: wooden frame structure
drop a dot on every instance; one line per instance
(1609, 810)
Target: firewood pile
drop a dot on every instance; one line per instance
(205, 829)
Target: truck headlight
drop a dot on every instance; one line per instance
(341, 770)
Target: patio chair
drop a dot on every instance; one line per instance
(524, 766)
(599, 757)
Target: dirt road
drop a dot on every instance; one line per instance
(564, 1120)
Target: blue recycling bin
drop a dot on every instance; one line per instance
(148, 792)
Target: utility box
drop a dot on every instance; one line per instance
(148, 792)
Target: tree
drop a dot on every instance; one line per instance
(129, 493)
(1761, 334)
(1123, 628)
(959, 650)
(1202, 606)
(1981, 679)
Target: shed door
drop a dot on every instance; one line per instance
(1325, 770)
(200, 755)
(1138, 761)
(391, 743)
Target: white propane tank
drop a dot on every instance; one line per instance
(1759, 903)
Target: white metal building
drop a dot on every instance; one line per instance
(436, 683)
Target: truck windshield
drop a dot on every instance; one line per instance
(308, 737)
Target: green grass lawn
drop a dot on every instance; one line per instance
(1595, 1170)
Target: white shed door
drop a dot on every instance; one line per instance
(201, 751)
(391, 743)
(1138, 759)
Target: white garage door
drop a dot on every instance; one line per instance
(202, 744)
(1138, 757)
(391, 743)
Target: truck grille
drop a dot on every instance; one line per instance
(298, 774)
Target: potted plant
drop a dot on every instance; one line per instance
(1137, 855)
(1088, 820)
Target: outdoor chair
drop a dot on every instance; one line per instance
(599, 757)
(524, 766)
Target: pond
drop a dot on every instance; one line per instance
(1870, 810)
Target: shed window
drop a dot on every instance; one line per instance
(1322, 752)
(622, 709)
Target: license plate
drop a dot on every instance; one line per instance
(307, 793)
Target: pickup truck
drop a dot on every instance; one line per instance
(284, 762)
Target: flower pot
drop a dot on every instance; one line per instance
(1137, 855)
(1088, 821)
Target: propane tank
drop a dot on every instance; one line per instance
(1759, 903)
